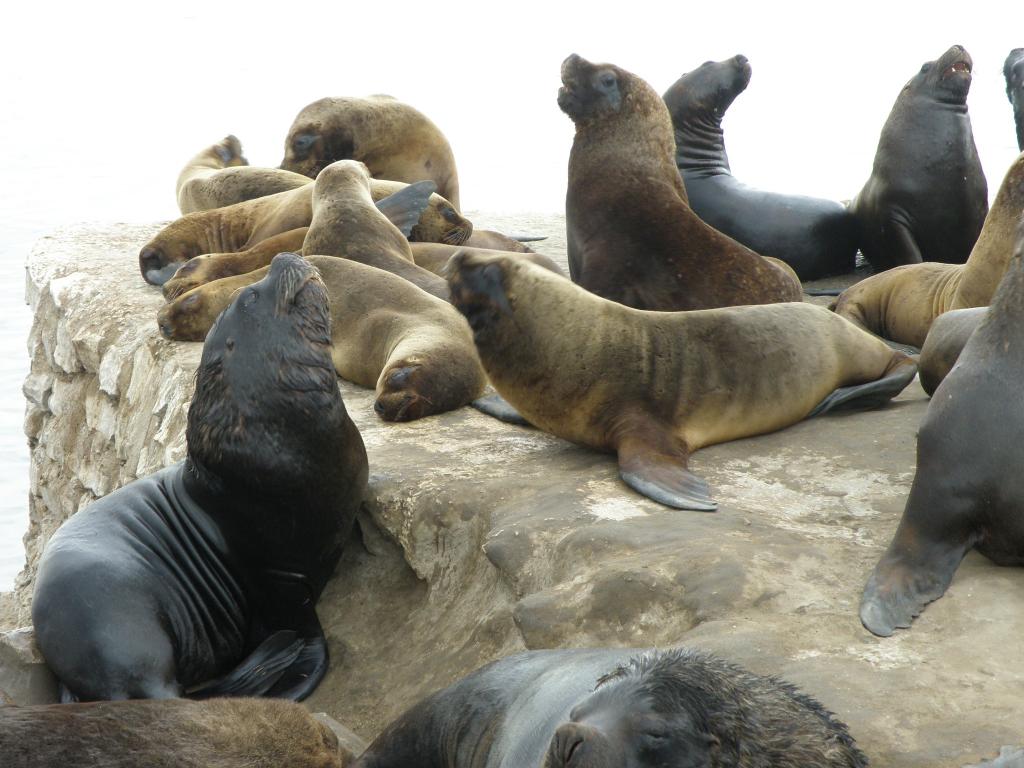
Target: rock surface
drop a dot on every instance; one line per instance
(480, 538)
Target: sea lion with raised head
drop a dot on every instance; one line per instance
(202, 579)
(926, 198)
(902, 303)
(218, 733)
(816, 237)
(219, 175)
(656, 386)
(240, 226)
(968, 492)
(394, 140)
(615, 707)
(386, 334)
(632, 237)
(1013, 72)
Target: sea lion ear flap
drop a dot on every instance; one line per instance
(650, 464)
(404, 208)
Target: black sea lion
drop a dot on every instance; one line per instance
(615, 708)
(219, 175)
(901, 303)
(395, 141)
(968, 491)
(816, 237)
(241, 226)
(1013, 71)
(926, 198)
(219, 733)
(164, 587)
(386, 334)
(656, 386)
(945, 341)
(632, 237)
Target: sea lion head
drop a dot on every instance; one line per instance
(1013, 71)
(441, 216)
(266, 382)
(403, 392)
(709, 90)
(591, 91)
(480, 290)
(161, 257)
(641, 715)
(341, 176)
(946, 80)
(315, 140)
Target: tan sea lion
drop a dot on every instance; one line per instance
(434, 256)
(656, 386)
(901, 303)
(632, 236)
(240, 226)
(945, 341)
(219, 175)
(386, 334)
(218, 733)
(395, 141)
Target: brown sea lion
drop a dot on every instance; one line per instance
(632, 236)
(219, 175)
(926, 198)
(496, 241)
(395, 141)
(656, 386)
(968, 491)
(945, 341)
(240, 226)
(386, 334)
(901, 303)
(218, 733)
(434, 256)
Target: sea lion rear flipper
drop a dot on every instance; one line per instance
(305, 672)
(519, 238)
(497, 406)
(872, 394)
(259, 671)
(653, 462)
(405, 207)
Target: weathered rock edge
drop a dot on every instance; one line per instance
(480, 539)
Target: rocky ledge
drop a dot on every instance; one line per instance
(479, 539)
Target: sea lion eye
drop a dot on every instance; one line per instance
(250, 297)
(301, 144)
(607, 79)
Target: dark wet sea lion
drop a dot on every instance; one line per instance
(968, 491)
(656, 386)
(202, 579)
(632, 237)
(902, 303)
(386, 334)
(240, 226)
(611, 708)
(219, 733)
(926, 166)
(946, 340)
(394, 140)
(816, 237)
(219, 175)
(1013, 72)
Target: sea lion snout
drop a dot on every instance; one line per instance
(577, 745)
(289, 274)
(155, 268)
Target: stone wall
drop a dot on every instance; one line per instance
(479, 538)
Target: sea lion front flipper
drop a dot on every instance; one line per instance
(259, 671)
(872, 394)
(405, 207)
(497, 406)
(652, 461)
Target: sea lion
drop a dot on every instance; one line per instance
(1013, 72)
(656, 386)
(901, 303)
(604, 707)
(927, 197)
(396, 142)
(219, 175)
(219, 733)
(496, 241)
(967, 493)
(202, 579)
(240, 226)
(816, 237)
(434, 256)
(386, 334)
(632, 237)
(944, 343)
